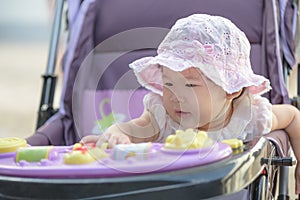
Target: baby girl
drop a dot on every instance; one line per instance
(201, 78)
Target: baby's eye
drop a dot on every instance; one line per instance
(190, 85)
(168, 84)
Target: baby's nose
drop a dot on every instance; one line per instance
(178, 98)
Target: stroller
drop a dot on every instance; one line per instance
(262, 30)
(104, 37)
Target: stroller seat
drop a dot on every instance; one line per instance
(105, 43)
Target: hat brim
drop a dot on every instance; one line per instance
(149, 74)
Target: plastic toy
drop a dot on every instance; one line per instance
(90, 161)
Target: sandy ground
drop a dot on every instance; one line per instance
(20, 83)
(24, 46)
(21, 67)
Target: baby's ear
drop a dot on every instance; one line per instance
(234, 95)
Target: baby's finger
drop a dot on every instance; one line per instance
(124, 140)
(89, 139)
(112, 141)
(102, 139)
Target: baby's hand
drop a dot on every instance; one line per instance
(90, 139)
(108, 137)
(112, 139)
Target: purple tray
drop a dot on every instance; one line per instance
(160, 160)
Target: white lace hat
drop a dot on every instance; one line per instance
(211, 43)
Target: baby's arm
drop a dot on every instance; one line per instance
(142, 129)
(287, 117)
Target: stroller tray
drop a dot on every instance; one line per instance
(158, 160)
(195, 181)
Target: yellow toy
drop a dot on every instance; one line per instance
(233, 143)
(11, 144)
(82, 154)
(188, 139)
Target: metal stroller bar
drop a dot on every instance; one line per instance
(46, 105)
(283, 188)
(296, 99)
(283, 164)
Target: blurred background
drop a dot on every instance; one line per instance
(25, 31)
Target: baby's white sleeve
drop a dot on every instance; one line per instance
(153, 103)
(261, 122)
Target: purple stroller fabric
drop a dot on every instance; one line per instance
(93, 22)
(288, 19)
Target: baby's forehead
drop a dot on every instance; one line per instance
(189, 73)
(189, 70)
(192, 72)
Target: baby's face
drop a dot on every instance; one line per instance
(191, 99)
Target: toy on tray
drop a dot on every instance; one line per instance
(36, 153)
(11, 144)
(85, 154)
(80, 160)
(235, 144)
(188, 139)
(139, 151)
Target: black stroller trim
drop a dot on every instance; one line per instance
(46, 109)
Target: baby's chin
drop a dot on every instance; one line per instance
(189, 122)
(186, 124)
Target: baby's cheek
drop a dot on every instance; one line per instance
(166, 97)
(204, 106)
(167, 94)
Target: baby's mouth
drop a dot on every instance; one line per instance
(182, 114)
